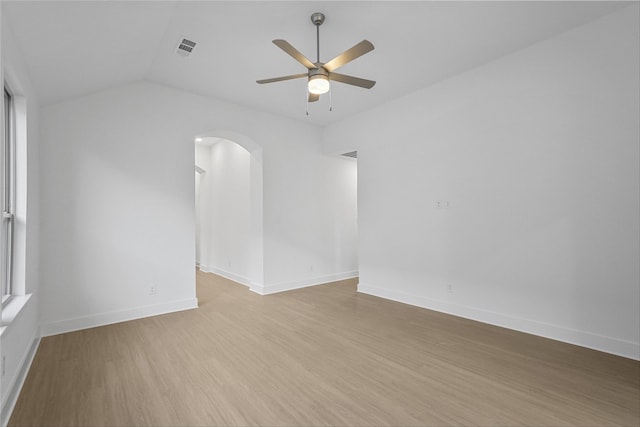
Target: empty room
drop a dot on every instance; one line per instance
(320, 213)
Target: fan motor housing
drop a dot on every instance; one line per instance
(318, 70)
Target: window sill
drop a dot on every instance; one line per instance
(12, 309)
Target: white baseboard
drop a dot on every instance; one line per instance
(227, 275)
(288, 286)
(9, 401)
(92, 321)
(584, 339)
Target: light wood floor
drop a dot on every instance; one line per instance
(315, 357)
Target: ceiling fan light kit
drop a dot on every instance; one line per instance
(320, 74)
(318, 84)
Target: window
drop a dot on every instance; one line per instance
(8, 194)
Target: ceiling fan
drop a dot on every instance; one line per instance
(320, 74)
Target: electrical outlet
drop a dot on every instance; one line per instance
(4, 365)
(449, 288)
(153, 289)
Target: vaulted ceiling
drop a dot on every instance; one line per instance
(74, 48)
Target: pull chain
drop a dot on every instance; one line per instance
(330, 100)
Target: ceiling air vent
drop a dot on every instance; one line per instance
(352, 154)
(185, 46)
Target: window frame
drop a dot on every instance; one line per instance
(8, 176)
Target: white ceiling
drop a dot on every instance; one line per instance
(79, 47)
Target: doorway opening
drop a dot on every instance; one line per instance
(228, 207)
(351, 200)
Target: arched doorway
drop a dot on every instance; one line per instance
(229, 232)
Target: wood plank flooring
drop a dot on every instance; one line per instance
(319, 356)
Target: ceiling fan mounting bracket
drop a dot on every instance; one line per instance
(317, 18)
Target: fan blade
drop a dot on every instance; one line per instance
(349, 55)
(313, 97)
(350, 80)
(280, 79)
(295, 54)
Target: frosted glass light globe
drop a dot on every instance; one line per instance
(318, 85)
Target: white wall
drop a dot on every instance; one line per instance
(20, 331)
(120, 209)
(538, 155)
(310, 216)
(225, 210)
(118, 192)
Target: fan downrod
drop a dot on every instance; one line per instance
(317, 19)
